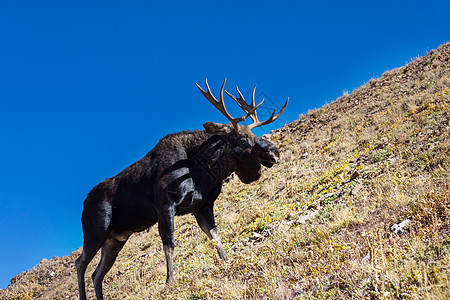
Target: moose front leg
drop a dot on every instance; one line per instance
(205, 219)
(165, 227)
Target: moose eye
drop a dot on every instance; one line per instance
(244, 142)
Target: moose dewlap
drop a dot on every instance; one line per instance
(182, 174)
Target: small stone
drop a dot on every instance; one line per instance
(303, 219)
(357, 189)
(328, 195)
(366, 259)
(400, 228)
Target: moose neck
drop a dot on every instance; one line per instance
(212, 161)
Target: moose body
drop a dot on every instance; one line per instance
(182, 174)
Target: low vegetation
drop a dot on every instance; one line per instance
(318, 225)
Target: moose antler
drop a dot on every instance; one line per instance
(220, 105)
(241, 102)
(251, 109)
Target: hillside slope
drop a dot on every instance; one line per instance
(318, 225)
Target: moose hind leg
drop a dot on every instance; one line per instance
(110, 250)
(89, 251)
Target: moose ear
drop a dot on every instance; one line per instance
(217, 128)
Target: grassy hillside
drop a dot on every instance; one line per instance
(318, 224)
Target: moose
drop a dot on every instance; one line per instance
(183, 174)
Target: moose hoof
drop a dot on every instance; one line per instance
(169, 280)
(223, 255)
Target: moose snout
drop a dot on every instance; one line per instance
(270, 157)
(274, 157)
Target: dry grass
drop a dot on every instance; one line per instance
(317, 225)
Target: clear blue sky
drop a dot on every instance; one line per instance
(89, 87)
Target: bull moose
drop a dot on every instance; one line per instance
(183, 174)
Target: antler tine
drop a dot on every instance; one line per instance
(219, 104)
(253, 103)
(253, 95)
(271, 119)
(249, 109)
